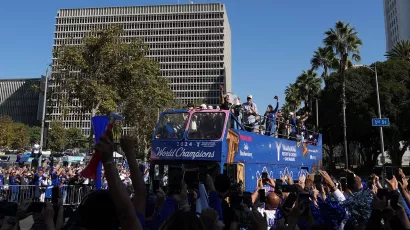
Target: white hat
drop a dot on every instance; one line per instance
(203, 106)
(249, 96)
(291, 113)
(210, 107)
(218, 107)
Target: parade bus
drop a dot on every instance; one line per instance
(191, 141)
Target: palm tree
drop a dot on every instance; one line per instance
(400, 51)
(292, 97)
(325, 58)
(309, 87)
(345, 42)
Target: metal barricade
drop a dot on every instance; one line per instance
(71, 194)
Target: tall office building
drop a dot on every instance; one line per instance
(191, 42)
(20, 100)
(397, 21)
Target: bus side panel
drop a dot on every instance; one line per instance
(257, 149)
(254, 172)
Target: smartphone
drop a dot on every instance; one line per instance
(318, 182)
(8, 208)
(318, 179)
(247, 199)
(370, 182)
(36, 207)
(278, 185)
(289, 188)
(389, 172)
(343, 183)
(264, 177)
(394, 201)
(262, 195)
(290, 200)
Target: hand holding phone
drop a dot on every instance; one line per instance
(278, 185)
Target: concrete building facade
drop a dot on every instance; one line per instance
(19, 99)
(191, 42)
(397, 21)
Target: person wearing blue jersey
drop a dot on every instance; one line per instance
(270, 116)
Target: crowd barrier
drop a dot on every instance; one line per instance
(71, 194)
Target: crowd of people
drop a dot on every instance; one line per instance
(19, 181)
(313, 201)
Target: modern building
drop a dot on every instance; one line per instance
(396, 21)
(19, 99)
(191, 42)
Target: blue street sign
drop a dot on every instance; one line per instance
(380, 122)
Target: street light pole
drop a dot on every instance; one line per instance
(43, 115)
(380, 128)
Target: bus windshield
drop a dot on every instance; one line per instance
(206, 126)
(172, 126)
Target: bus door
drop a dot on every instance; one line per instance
(233, 145)
(236, 172)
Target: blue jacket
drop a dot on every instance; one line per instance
(271, 119)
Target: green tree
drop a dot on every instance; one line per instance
(344, 41)
(75, 139)
(309, 87)
(6, 131)
(292, 97)
(115, 75)
(400, 51)
(394, 87)
(35, 134)
(325, 58)
(57, 136)
(21, 137)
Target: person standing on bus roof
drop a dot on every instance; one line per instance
(270, 116)
(250, 112)
(225, 100)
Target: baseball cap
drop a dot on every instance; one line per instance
(249, 96)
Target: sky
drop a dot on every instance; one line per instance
(272, 40)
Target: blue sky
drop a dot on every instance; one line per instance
(272, 40)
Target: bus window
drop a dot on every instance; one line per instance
(208, 126)
(172, 126)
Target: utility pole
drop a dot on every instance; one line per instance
(317, 115)
(43, 115)
(380, 128)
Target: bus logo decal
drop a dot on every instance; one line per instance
(245, 153)
(183, 153)
(278, 145)
(245, 138)
(246, 147)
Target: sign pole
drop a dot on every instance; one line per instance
(380, 128)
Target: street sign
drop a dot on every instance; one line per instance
(380, 122)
